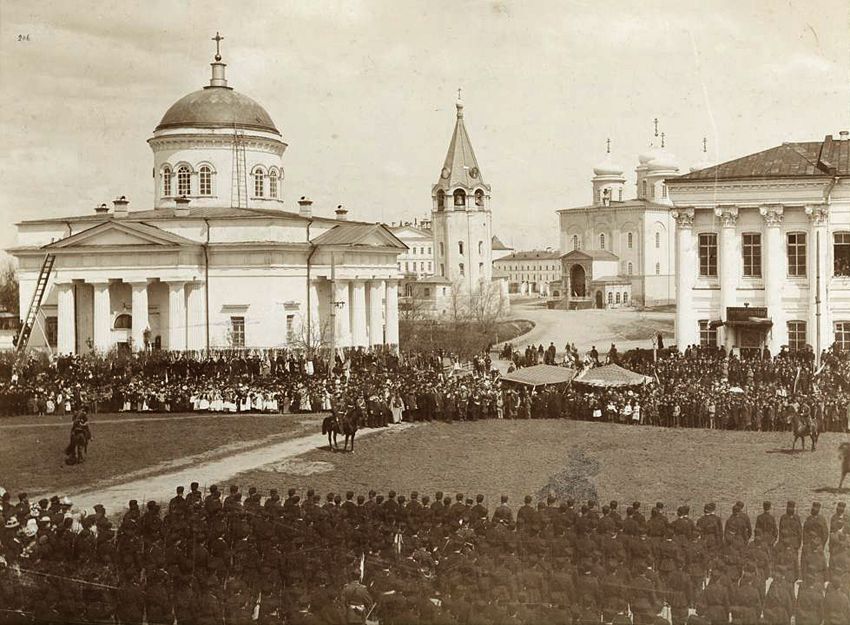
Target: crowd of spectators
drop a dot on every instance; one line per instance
(206, 557)
(699, 387)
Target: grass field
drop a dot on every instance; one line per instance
(577, 459)
(125, 446)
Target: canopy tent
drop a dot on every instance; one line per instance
(611, 376)
(540, 375)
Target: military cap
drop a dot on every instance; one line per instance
(337, 499)
(99, 508)
(54, 499)
(372, 493)
(361, 499)
(425, 500)
(180, 490)
(329, 496)
(133, 504)
(349, 495)
(469, 501)
(234, 488)
(43, 503)
(712, 506)
(459, 496)
(766, 506)
(252, 490)
(527, 499)
(659, 505)
(193, 485)
(438, 496)
(414, 495)
(392, 494)
(479, 498)
(504, 498)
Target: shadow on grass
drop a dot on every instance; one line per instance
(787, 451)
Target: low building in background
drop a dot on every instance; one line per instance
(530, 272)
(418, 260)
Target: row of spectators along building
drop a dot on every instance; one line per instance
(697, 388)
(206, 557)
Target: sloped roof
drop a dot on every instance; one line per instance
(359, 234)
(625, 204)
(612, 280)
(790, 160)
(397, 230)
(531, 255)
(496, 244)
(592, 254)
(539, 375)
(610, 376)
(146, 233)
(460, 168)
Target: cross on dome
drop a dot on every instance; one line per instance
(217, 40)
(608, 145)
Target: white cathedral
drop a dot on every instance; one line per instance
(217, 262)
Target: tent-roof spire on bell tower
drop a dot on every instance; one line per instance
(460, 168)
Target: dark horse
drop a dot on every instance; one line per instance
(78, 447)
(804, 426)
(844, 452)
(346, 425)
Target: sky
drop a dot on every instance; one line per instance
(363, 92)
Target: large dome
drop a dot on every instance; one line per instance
(217, 107)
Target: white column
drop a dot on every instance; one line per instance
(195, 317)
(392, 312)
(729, 260)
(341, 305)
(66, 319)
(687, 330)
(376, 312)
(140, 313)
(358, 314)
(102, 316)
(176, 315)
(820, 331)
(772, 271)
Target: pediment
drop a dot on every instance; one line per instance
(115, 234)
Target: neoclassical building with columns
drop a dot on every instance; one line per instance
(217, 262)
(763, 249)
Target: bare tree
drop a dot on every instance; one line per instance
(9, 288)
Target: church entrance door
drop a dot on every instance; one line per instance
(599, 299)
(577, 279)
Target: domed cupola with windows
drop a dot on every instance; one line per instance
(219, 148)
(654, 166)
(608, 180)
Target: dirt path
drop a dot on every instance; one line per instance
(161, 487)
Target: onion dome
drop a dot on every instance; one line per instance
(608, 167)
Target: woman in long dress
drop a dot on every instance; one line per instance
(396, 407)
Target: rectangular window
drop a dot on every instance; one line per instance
(429, 250)
(796, 253)
(841, 253)
(707, 334)
(751, 248)
(460, 267)
(430, 266)
(708, 254)
(237, 331)
(427, 292)
(796, 335)
(52, 330)
(460, 247)
(290, 329)
(413, 250)
(842, 335)
(442, 270)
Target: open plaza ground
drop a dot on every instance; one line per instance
(146, 457)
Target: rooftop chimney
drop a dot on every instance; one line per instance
(305, 206)
(120, 210)
(102, 209)
(341, 213)
(182, 207)
(844, 135)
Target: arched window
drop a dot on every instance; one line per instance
(166, 181)
(273, 184)
(479, 197)
(664, 191)
(184, 181)
(259, 187)
(575, 241)
(625, 297)
(460, 247)
(601, 241)
(610, 298)
(644, 188)
(657, 269)
(631, 240)
(617, 299)
(657, 240)
(205, 180)
(480, 248)
(630, 269)
(441, 199)
(460, 198)
(123, 322)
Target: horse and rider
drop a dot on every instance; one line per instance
(78, 445)
(803, 425)
(345, 422)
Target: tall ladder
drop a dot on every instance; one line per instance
(35, 304)
(239, 186)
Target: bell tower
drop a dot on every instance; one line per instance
(461, 219)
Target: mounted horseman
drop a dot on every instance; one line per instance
(77, 448)
(803, 424)
(331, 424)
